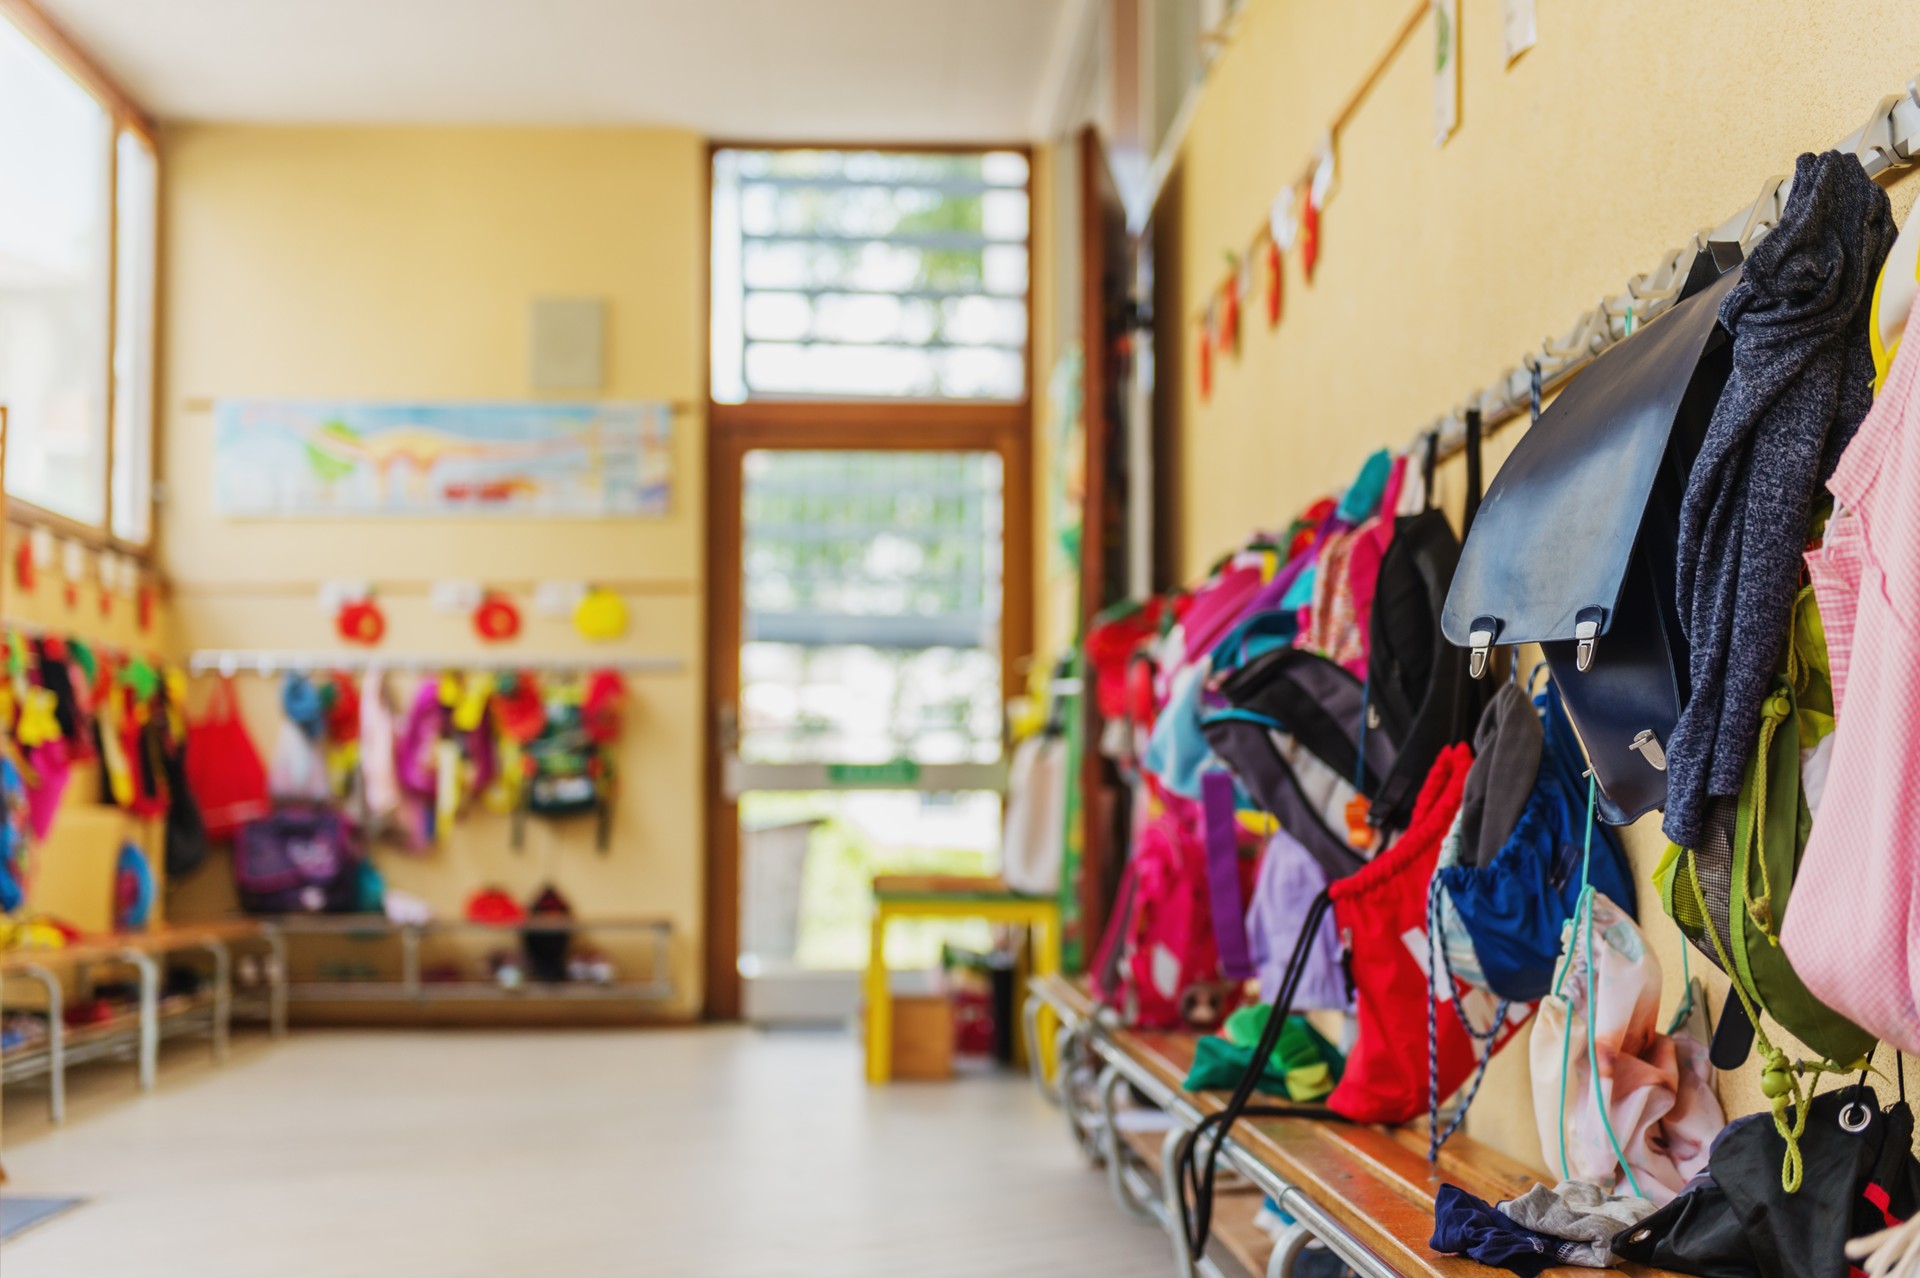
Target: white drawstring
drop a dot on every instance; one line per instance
(1891, 1253)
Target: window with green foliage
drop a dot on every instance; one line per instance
(872, 616)
(863, 274)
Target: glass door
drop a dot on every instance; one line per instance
(866, 734)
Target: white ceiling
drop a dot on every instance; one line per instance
(855, 70)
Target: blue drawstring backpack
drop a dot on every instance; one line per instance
(1512, 910)
(133, 889)
(14, 835)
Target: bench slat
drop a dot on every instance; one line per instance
(1374, 1180)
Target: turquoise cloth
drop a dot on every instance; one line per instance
(1300, 594)
(1363, 495)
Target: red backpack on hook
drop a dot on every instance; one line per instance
(223, 768)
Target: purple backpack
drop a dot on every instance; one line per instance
(300, 859)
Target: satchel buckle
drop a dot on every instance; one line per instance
(1480, 645)
(1586, 632)
(1649, 748)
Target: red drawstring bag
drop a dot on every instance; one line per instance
(224, 771)
(1381, 914)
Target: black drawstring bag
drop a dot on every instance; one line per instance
(547, 947)
(1737, 1221)
(186, 833)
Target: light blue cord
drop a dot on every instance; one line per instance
(1586, 912)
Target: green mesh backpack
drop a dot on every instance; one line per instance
(567, 774)
(1731, 894)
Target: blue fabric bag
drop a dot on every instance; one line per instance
(1515, 907)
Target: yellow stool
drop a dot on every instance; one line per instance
(898, 896)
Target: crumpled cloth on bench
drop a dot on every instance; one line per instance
(1585, 1216)
(1467, 1226)
(1303, 1067)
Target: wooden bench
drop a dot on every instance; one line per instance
(1365, 1193)
(140, 1031)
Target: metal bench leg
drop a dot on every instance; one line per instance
(1287, 1249)
(1109, 1087)
(222, 995)
(56, 1040)
(149, 1015)
(1071, 1054)
(276, 980)
(1174, 1193)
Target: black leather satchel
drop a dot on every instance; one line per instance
(1573, 548)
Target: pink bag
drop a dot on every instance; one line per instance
(415, 758)
(1157, 964)
(1853, 930)
(379, 784)
(1655, 1087)
(1217, 606)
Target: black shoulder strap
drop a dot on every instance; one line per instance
(1476, 485)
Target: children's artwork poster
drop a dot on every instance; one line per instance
(302, 458)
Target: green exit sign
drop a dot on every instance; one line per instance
(900, 772)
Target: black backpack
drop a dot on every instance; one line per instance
(1419, 689)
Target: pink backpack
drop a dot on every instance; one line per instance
(1158, 965)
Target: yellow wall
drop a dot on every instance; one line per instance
(1630, 125)
(399, 263)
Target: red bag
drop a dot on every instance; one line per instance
(1381, 914)
(223, 769)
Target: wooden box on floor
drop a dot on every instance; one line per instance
(922, 1038)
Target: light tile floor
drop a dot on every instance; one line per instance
(720, 1152)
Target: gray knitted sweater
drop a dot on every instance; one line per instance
(1801, 383)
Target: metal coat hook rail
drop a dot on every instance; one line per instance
(263, 662)
(1889, 140)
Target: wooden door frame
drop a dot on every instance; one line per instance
(734, 430)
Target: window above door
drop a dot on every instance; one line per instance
(869, 274)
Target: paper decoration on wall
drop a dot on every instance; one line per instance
(1326, 173)
(600, 615)
(558, 598)
(73, 570)
(1283, 219)
(1227, 330)
(1204, 370)
(338, 592)
(24, 572)
(143, 608)
(1273, 270)
(1518, 29)
(360, 621)
(304, 458)
(455, 596)
(1446, 69)
(1309, 237)
(496, 619)
(1295, 215)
